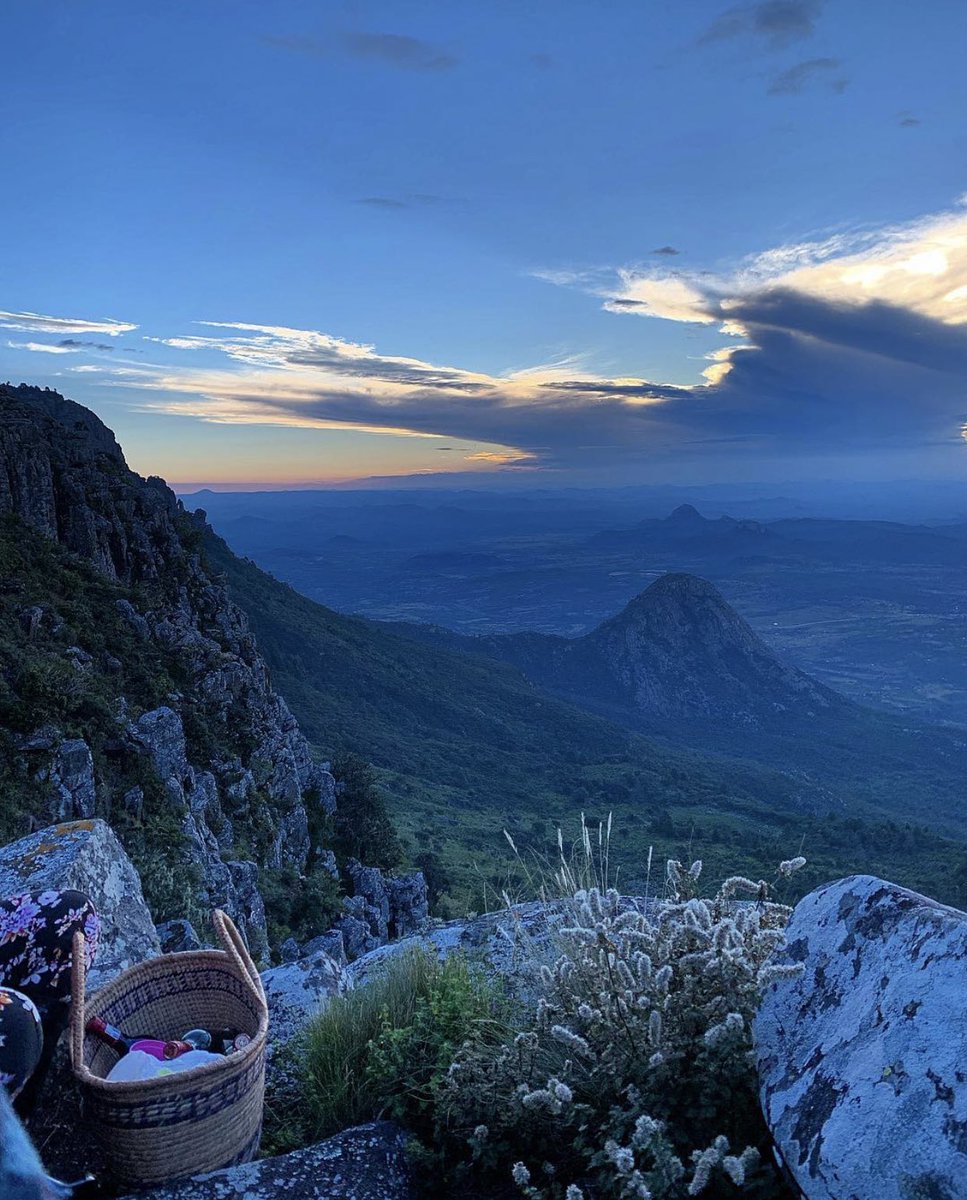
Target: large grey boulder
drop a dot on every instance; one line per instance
(863, 1058)
(365, 1163)
(296, 991)
(86, 856)
(504, 943)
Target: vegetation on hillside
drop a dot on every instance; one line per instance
(77, 667)
(465, 746)
(44, 682)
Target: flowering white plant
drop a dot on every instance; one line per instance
(633, 1076)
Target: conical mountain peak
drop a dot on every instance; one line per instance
(685, 512)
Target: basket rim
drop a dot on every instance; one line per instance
(159, 966)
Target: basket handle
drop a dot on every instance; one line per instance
(234, 946)
(77, 1021)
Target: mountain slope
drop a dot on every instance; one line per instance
(466, 745)
(679, 665)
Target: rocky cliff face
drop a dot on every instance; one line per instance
(222, 757)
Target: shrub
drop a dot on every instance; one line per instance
(634, 1075)
(624, 1070)
(299, 906)
(384, 1049)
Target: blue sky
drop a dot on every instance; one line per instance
(334, 240)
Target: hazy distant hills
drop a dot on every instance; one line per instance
(804, 538)
(874, 609)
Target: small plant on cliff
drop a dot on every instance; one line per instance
(634, 1075)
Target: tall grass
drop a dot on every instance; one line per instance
(578, 866)
(379, 1049)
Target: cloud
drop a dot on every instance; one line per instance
(814, 70)
(390, 49)
(410, 200)
(500, 458)
(39, 347)
(844, 345)
(398, 50)
(29, 322)
(776, 23)
(74, 344)
(666, 250)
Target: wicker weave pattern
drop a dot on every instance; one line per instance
(178, 1125)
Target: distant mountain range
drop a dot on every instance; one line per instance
(876, 610)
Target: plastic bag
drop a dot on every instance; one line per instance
(138, 1065)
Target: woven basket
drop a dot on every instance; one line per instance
(155, 1130)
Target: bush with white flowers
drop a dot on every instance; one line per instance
(633, 1075)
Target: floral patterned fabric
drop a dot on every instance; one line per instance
(36, 941)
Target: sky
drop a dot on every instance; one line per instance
(507, 241)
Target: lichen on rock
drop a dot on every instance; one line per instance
(862, 1058)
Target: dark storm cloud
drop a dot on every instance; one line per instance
(778, 23)
(812, 377)
(877, 329)
(814, 70)
(802, 374)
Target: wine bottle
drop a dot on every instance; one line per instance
(120, 1042)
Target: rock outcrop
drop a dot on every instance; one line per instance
(232, 764)
(365, 1163)
(381, 908)
(86, 856)
(297, 990)
(863, 1058)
